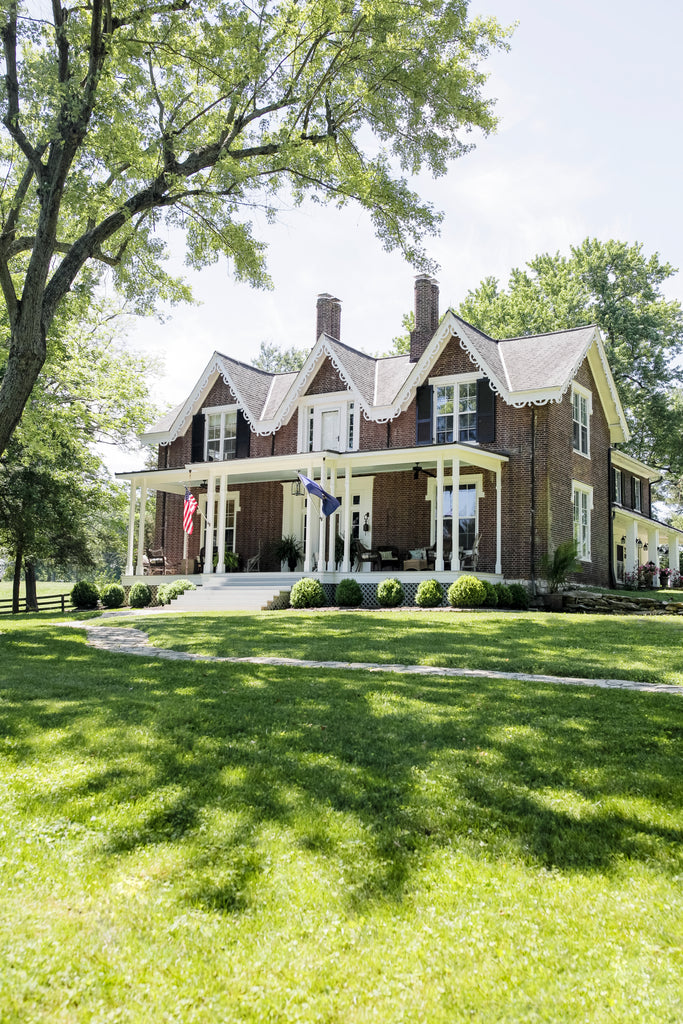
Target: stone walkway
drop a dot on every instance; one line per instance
(124, 640)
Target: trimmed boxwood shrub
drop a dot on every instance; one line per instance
(491, 599)
(167, 591)
(504, 595)
(466, 592)
(140, 595)
(390, 593)
(307, 593)
(520, 595)
(429, 594)
(348, 594)
(84, 594)
(113, 595)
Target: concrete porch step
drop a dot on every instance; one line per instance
(240, 598)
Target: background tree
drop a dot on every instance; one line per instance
(619, 288)
(279, 360)
(119, 115)
(57, 504)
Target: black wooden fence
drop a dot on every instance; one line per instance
(54, 603)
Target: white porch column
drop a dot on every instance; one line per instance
(455, 524)
(631, 546)
(209, 525)
(131, 526)
(438, 565)
(674, 553)
(222, 505)
(346, 564)
(321, 542)
(140, 569)
(332, 536)
(308, 543)
(653, 552)
(499, 521)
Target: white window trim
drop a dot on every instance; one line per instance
(216, 410)
(581, 488)
(579, 389)
(454, 380)
(340, 402)
(466, 478)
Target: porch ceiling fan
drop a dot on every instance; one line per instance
(417, 469)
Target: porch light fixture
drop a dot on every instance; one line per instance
(623, 539)
(297, 489)
(639, 543)
(644, 547)
(366, 523)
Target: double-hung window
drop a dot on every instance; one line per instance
(637, 495)
(582, 497)
(221, 434)
(581, 411)
(456, 412)
(618, 492)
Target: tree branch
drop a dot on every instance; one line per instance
(11, 118)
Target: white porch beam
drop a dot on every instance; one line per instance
(632, 546)
(321, 541)
(499, 521)
(209, 526)
(308, 544)
(140, 569)
(332, 535)
(131, 526)
(346, 564)
(438, 565)
(222, 505)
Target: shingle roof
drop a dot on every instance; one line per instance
(544, 360)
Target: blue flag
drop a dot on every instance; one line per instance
(328, 502)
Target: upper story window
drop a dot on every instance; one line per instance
(637, 495)
(456, 405)
(221, 434)
(328, 423)
(618, 487)
(582, 406)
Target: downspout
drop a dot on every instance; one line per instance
(610, 529)
(533, 502)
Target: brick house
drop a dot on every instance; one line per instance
(524, 432)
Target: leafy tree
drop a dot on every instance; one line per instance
(57, 505)
(400, 345)
(279, 360)
(619, 288)
(118, 116)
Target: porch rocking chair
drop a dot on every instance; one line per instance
(254, 563)
(470, 559)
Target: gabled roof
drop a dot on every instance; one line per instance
(534, 369)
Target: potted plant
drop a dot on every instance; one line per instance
(664, 574)
(556, 571)
(288, 550)
(649, 571)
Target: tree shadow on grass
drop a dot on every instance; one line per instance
(372, 773)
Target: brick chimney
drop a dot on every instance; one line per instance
(328, 318)
(426, 314)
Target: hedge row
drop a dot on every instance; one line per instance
(466, 592)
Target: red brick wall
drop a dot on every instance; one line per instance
(326, 380)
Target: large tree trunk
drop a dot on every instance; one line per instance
(16, 587)
(24, 363)
(30, 578)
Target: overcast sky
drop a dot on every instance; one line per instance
(589, 143)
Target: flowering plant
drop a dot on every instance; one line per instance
(664, 572)
(649, 567)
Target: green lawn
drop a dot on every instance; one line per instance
(235, 843)
(43, 589)
(645, 648)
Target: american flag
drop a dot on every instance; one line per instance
(189, 508)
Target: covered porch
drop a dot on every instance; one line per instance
(435, 509)
(638, 540)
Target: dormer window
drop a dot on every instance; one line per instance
(221, 434)
(328, 423)
(581, 411)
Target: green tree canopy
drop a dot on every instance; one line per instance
(118, 116)
(618, 287)
(279, 360)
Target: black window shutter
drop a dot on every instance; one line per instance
(243, 436)
(197, 449)
(423, 405)
(486, 412)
